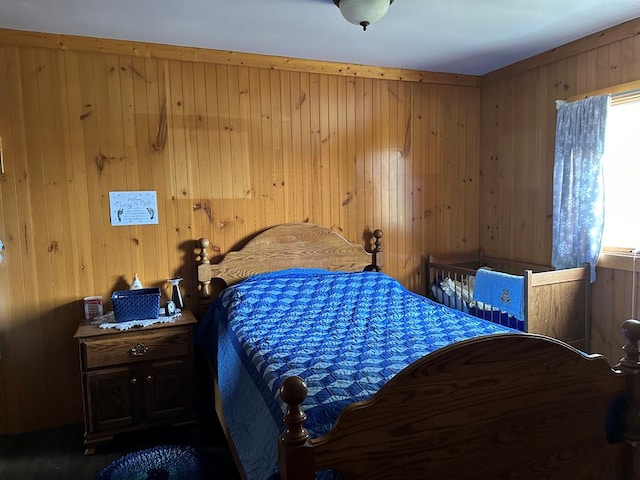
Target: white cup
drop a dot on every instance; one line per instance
(92, 306)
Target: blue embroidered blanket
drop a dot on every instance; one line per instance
(346, 334)
(500, 290)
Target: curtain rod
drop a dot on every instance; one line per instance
(613, 90)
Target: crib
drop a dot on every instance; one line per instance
(554, 302)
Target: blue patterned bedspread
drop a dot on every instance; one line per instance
(346, 334)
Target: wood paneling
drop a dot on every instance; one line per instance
(517, 151)
(232, 144)
(222, 57)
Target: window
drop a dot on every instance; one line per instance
(621, 171)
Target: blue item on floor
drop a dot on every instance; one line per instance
(167, 462)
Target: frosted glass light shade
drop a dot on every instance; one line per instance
(363, 12)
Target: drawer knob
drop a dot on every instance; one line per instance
(139, 350)
(148, 378)
(133, 381)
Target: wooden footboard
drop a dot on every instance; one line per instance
(502, 406)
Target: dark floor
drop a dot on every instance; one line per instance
(59, 453)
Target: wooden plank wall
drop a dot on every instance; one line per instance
(232, 144)
(516, 159)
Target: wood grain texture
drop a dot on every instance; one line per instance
(556, 302)
(298, 245)
(529, 401)
(517, 152)
(200, 55)
(101, 352)
(106, 346)
(229, 149)
(233, 144)
(135, 378)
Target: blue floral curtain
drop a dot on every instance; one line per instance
(578, 190)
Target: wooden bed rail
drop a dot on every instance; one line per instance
(539, 423)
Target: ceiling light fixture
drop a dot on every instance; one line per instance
(363, 12)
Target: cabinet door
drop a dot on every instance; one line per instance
(112, 398)
(168, 390)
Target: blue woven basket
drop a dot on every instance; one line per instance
(141, 304)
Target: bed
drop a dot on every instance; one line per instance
(552, 302)
(484, 401)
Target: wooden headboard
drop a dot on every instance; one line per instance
(301, 245)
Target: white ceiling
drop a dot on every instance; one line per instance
(456, 36)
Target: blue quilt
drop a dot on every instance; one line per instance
(346, 334)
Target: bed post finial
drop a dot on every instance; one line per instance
(378, 251)
(631, 331)
(630, 366)
(204, 278)
(295, 455)
(293, 391)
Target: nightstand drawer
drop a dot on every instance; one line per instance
(150, 345)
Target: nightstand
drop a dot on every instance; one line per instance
(137, 378)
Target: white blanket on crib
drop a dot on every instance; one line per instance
(464, 291)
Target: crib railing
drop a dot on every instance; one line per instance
(451, 283)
